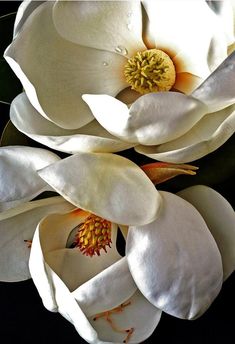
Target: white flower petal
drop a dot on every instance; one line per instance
(24, 11)
(218, 90)
(211, 132)
(152, 119)
(107, 185)
(220, 219)
(115, 26)
(90, 138)
(52, 233)
(175, 261)
(140, 315)
(18, 174)
(17, 225)
(168, 22)
(106, 290)
(55, 80)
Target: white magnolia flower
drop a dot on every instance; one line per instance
(172, 261)
(64, 49)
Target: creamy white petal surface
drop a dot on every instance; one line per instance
(211, 132)
(18, 174)
(17, 225)
(194, 26)
(175, 261)
(114, 26)
(107, 185)
(220, 219)
(218, 90)
(23, 12)
(110, 287)
(152, 119)
(55, 80)
(90, 138)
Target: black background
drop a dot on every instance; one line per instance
(23, 319)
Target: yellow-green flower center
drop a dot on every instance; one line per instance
(150, 71)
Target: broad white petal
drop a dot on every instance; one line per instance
(55, 80)
(90, 138)
(101, 288)
(175, 261)
(17, 225)
(107, 185)
(185, 29)
(140, 315)
(220, 219)
(24, 11)
(106, 290)
(152, 119)
(211, 132)
(18, 174)
(114, 26)
(218, 90)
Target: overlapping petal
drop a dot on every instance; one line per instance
(77, 301)
(55, 72)
(90, 138)
(175, 261)
(107, 185)
(17, 225)
(192, 41)
(18, 173)
(114, 26)
(152, 119)
(219, 217)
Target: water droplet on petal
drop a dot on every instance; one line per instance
(129, 14)
(121, 50)
(129, 26)
(105, 63)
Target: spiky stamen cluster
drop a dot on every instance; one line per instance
(150, 71)
(93, 235)
(107, 316)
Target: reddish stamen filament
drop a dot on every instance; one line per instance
(107, 316)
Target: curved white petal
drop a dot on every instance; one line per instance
(211, 132)
(152, 119)
(107, 185)
(18, 174)
(175, 261)
(140, 315)
(24, 11)
(114, 26)
(90, 138)
(112, 286)
(218, 91)
(54, 72)
(220, 219)
(185, 29)
(17, 225)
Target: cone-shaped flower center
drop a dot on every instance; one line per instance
(150, 71)
(93, 235)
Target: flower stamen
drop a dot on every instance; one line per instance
(107, 316)
(93, 235)
(29, 243)
(150, 71)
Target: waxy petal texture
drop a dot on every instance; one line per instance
(97, 293)
(220, 219)
(107, 185)
(17, 225)
(18, 174)
(175, 261)
(90, 138)
(55, 80)
(115, 26)
(152, 119)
